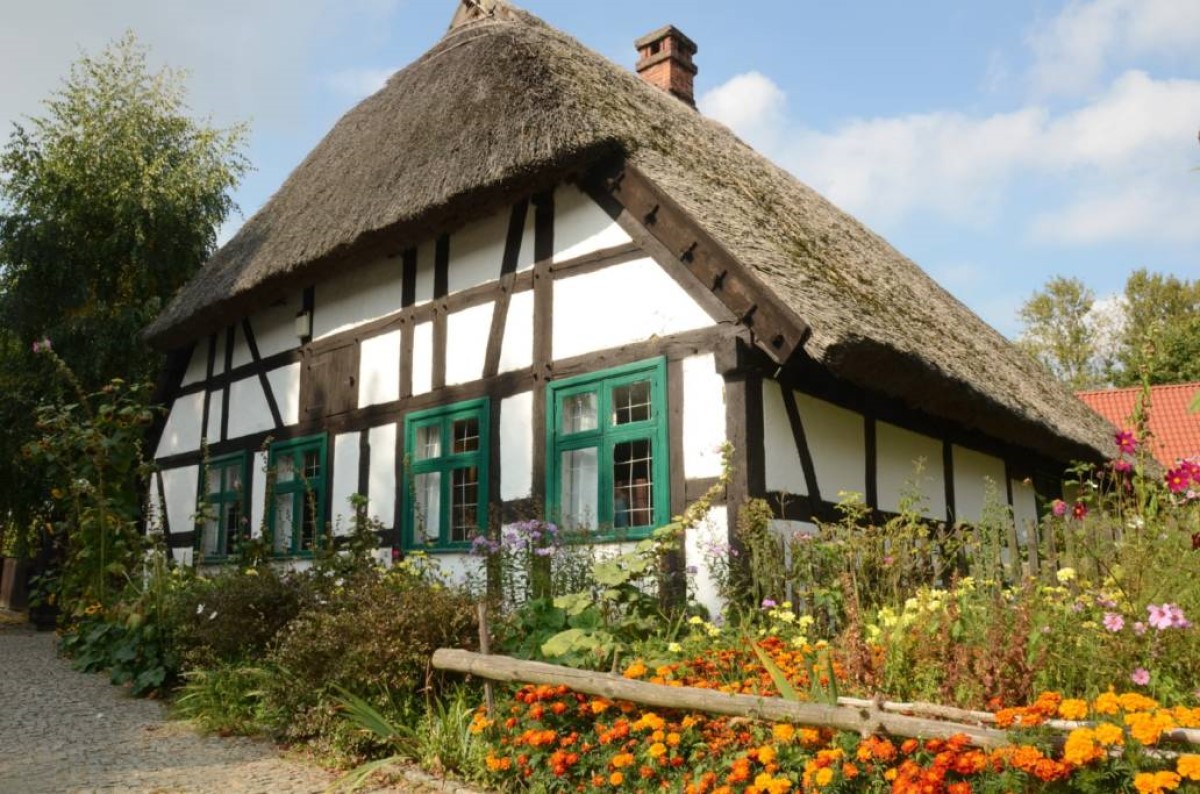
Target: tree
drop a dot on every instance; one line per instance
(109, 202)
(1058, 332)
(1162, 330)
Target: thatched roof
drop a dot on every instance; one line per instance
(507, 104)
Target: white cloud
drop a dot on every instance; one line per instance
(1072, 50)
(1118, 166)
(358, 83)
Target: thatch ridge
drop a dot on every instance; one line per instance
(509, 104)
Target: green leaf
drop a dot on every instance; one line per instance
(778, 677)
(569, 641)
(610, 573)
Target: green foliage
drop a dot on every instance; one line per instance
(226, 699)
(1058, 334)
(133, 652)
(109, 202)
(1161, 338)
(236, 615)
(91, 453)
(373, 636)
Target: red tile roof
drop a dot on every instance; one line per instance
(1176, 430)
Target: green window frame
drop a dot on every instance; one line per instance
(299, 473)
(223, 493)
(607, 466)
(446, 454)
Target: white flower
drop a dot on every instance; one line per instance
(199, 609)
(212, 615)
(675, 648)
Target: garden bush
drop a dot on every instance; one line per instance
(374, 636)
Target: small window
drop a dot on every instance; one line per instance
(446, 476)
(607, 452)
(298, 501)
(223, 492)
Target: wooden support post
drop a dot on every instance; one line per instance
(485, 648)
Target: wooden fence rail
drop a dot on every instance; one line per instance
(912, 720)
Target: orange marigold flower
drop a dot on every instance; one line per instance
(1073, 709)
(599, 706)
(658, 750)
(616, 779)
(766, 754)
(1148, 727)
(1108, 734)
(824, 776)
(635, 670)
(961, 787)
(1082, 748)
(783, 731)
(1108, 703)
(1132, 701)
(1156, 782)
(621, 760)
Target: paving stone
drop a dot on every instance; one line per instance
(69, 733)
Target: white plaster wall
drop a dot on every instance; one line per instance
(476, 252)
(182, 556)
(241, 348)
(285, 385)
(379, 370)
(458, 569)
(248, 409)
(180, 486)
(275, 327)
(357, 295)
(467, 334)
(970, 470)
(516, 350)
(703, 417)
(216, 407)
(426, 253)
(525, 258)
(897, 451)
(631, 302)
(1025, 511)
(258, 493)
(197, 369)
(381, 487)
(154, 508)
(422, 363)
(782, 461)
(581, 227)
(345, 481)
(516, 446)
(712, 532)
(181, 433)
(836, 439)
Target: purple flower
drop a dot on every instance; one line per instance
(1126, 442)
(1113, 622)
(768, 603)
(1140, 676)
(42, 345)
(546, 551)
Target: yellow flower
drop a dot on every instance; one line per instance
(1156, 782)
(675, 648)
(1189, 767)
(783, 732)
(1073, 709)
(1081, 747)
(824, 776)
(1108, 734)
(766, 754)
(1108, 703)
(1066, 575)
(658, 750)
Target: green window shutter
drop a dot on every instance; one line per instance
(606, 452)
(447, 450)
(296, 513)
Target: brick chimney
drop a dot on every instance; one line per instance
(666, 62)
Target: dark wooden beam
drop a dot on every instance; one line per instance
(508, 274)
(543, 329)
(948, 479)
(871, 456)
(230, 333)
(408, 278)
(598, 260)
(776, 329)
(441, 282)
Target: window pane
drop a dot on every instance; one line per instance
(580, 412)
(631, 403)
(312, 465)
(429, 442)
(233, 478)
(633, 486)
(210, 535)
(580, 483)
(231, 519)
(465, 433)
(464, 504)
(311, 520)
(428, 517)
(212, 480)
(285, 468)
(284, 515)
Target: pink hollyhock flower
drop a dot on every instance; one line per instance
(1126, 442)
(1123, 466)
(1140, 676)
(1167, 616)
(1113, 622)
(1058, 507)
(1139, 628)
(1079, 511)
(1177, 480)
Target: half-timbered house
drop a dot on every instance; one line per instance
(520, 280)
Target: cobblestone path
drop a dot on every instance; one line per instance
(66, 732)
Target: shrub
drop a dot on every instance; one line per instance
(373, 637)
(236, 615)
(227, 700)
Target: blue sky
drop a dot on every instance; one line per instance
(996, 144)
